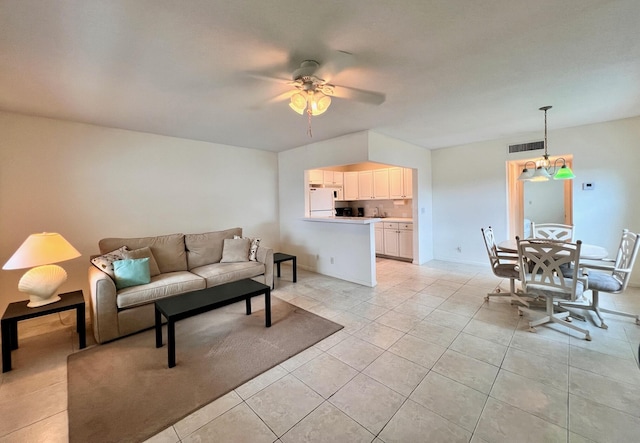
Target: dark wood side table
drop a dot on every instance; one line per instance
(279, 257)
(19, 311)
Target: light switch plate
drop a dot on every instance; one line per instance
(588, 186)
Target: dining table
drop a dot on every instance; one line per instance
(587, 251)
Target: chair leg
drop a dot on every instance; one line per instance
(512, 293)
(624, 314)
(561, 318)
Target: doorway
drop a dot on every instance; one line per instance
(544, 202)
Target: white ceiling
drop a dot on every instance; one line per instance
(453, 71)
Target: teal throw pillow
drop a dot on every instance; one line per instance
(131, 272)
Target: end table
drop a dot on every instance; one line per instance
(19, 311)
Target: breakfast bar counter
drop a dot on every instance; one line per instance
(346, 220)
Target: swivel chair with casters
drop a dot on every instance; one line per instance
(552, 231)
(503, 265)
(543, 269)
(612, 278)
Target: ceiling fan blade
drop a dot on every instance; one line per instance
(337, 62)
(260, 76)
(359, 95)
(281, 97)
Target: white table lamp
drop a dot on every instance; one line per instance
(39, 252)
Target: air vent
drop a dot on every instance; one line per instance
(533, 146)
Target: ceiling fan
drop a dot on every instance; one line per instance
(311, 93)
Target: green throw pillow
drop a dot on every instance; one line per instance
(131, 272)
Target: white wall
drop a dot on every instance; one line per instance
(90, 182)
(470, 189)
(315, 244)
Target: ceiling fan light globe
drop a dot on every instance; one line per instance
(320, 103)
(298, 103)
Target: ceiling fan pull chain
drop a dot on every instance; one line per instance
(309, 127)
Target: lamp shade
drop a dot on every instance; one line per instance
(541, 175)
(41, 249)
(564, 173)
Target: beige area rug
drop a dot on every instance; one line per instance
(124, 392)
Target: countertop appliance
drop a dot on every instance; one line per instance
(348, 212)
(360, 212)
(321, 202)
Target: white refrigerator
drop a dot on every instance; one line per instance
(321, 202)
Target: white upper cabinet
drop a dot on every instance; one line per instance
(381, 184)
(350, 186)
(332, 177)
(316, 177)
(400, 183)
(365, 185)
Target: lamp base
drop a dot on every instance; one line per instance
(35, 301)
(41, 284)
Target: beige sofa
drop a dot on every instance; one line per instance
(185, 263)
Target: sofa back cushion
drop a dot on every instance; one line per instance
(168, 250)
(205, 249)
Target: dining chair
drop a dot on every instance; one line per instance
(552, 231)
(541, 266)
(503, 265)
(612, 278)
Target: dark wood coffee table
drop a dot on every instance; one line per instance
(19, 310)
(193, 303)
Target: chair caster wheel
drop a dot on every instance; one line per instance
(486, 298)
(638, 321)
(588, 337)
(568, 319)
(532, 329)
(603, 326)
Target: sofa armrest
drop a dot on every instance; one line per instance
(104, 310)
(265, 255)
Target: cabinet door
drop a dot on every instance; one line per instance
(379, 240)
(407, 179)
(381, 184)
(391, 242)
(350, 186)
(338, 178)
(327, 177)
(365, 185)
(316, 176)
(405, 243)
(395, 183)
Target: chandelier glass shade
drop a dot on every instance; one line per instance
(544, 169)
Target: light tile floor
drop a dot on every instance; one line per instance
(422, 357)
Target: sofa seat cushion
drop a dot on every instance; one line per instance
(219, 273)
(161, 286)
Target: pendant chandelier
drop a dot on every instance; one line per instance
(543, 170)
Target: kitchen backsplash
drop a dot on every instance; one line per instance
(387, 208)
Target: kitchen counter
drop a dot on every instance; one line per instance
(345, 220)
(359, 220)
(397, 219)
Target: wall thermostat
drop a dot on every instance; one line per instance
(588, 186)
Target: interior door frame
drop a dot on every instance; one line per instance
(515, 195)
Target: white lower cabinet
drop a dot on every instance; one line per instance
(379, 231)
(397, 239)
